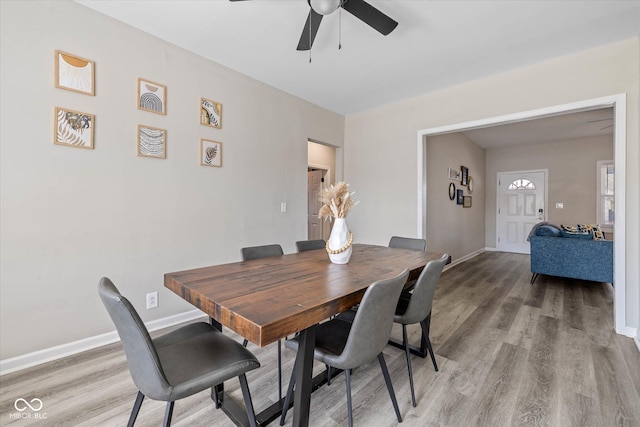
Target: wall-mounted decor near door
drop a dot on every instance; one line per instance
(73, 128)
(466, 202)
(74, 73)
(470, 185)
(152, 97)
(210, 113)
(454, 174)
(464, 179)
(460, 195)
(452, 191)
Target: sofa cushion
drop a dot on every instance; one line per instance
(547, 230)
(576, 235)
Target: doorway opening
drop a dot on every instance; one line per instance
(321, 166)
(618, 103)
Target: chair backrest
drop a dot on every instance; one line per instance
(142, 358)
(421, 300)
(372, 324)
(408, 243)
(264, 251)
(310, 245)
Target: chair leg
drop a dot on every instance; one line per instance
(408, 354)
(287, 400)
(347, 373)
(328, 375)
(534, 276)
(425, 326)
(168, 414)
(387, 380)
(136, 409)
(279, 369)
(247, 400)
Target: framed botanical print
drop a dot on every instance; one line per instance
(210, 113)
(210, 153)
(73, 128)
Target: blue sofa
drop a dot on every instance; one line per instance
(572, 257)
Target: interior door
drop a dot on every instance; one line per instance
(314, 189)
(521, 204)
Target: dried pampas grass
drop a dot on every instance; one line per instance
(337, 201)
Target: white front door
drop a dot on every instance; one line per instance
(521, 205)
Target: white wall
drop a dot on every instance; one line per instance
(385, 138)
(70, 216)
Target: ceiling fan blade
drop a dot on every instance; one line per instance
(310, 30)
(370, 16)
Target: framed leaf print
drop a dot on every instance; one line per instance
(210, 113)
(210, 153)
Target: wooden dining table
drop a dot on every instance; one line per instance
(268, 299)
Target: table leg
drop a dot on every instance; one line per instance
(304, 372)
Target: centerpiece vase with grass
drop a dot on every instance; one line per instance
(337, 202)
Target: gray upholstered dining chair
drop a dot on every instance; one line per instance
(415, 308)
(346, 345)
(180, 363)
(310, 245)
(408, 243)
(259, 252)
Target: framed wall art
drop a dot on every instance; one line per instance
(459, 197)
(210, 113)
(152, 97)
(466, 202)
(454, 174)
(73, 128)
(74, 73)
(452, 191)
(210, 153)
(464, 179)
(152, 142)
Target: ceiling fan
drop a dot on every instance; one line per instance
(358, 8)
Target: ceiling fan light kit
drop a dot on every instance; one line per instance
(324, 7)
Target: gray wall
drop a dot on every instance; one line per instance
(70, 216)
(572, 177)
(451, 228)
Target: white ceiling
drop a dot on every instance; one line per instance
(436, 44)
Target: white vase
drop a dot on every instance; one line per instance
(338, 239)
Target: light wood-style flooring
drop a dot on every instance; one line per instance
(510, 354)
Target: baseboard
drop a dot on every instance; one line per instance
(488, 249)
(636, 339)
(463, 259)
(28, 360)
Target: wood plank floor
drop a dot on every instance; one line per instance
(510, 354)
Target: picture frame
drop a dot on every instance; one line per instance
(452, 191)
(74, 73)
(210, 113)
(151, 97)
(210, 153)
(73, 128)
(459, 197)
(466, 202)
(152, 142)
(454, 174)
(464, 179)
(470, 185)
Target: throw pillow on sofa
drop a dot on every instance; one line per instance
(575, 232)
(594, 229)
(547, 230)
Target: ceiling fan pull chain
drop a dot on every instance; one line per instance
(340, 25)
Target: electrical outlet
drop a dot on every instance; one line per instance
(152, 300)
